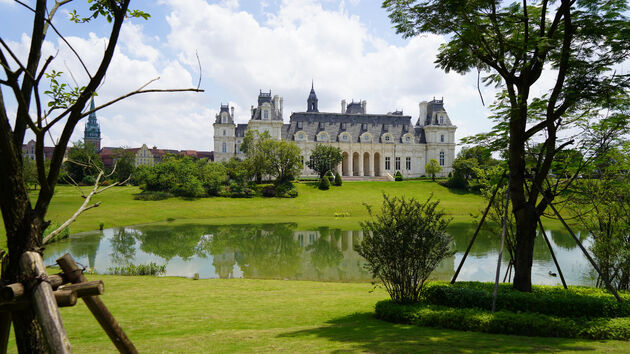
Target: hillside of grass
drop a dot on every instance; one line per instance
(241, 315)
(312, 207)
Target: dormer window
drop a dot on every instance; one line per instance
(407, 139)
(322, 137)
(321, 125)
(387, 138)
(385, 127)
(299, 125)
(441, 120)
(343, 125)
(364, 126)
(223, 119)
(265, 114)
(366, 138)
(300, 136)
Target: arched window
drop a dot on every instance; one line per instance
(224, 147)
(441, 158)
(442, 138)
(322, 137)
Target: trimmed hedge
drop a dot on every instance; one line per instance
(504, 322)
(549, 300)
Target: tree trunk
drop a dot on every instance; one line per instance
(526, 221)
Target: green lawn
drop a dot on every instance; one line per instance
(312, 207)
(239, 315)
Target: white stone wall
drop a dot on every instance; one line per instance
(220, 138)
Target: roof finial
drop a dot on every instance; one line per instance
(312, 84)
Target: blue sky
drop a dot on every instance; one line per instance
(347, 47)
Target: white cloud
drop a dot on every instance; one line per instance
(302, 41)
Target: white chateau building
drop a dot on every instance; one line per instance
(372, 144)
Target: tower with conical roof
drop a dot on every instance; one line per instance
(92, 133)
(312, 101)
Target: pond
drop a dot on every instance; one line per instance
(284, 251)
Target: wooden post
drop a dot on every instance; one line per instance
(461, 263)
(553, 254)
(5, 329)
(97, 307)
(44, 303)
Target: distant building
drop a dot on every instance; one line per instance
(92, 132)
(28, 150)
(372, 144)
(145, 156)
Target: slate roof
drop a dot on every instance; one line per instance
(224, 108)
(355, 124)
(435, 107)
(240, 131)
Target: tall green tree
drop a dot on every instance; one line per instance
(433, 167)
(513, 43)
(38, 111)
(324, 158)
(125, 164)
(258, 150)
(285, 162)
(83, 161)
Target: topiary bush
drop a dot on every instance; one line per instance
(286, 190)
(504, 322)
(549, 300)
(398, 176)
(404, 244)
(338, 180)
(324, 183)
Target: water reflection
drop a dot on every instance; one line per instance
(282, 251)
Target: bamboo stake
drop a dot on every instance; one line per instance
(577, 240)
(44, 304)
(97, 307)
(483, 218)
(503, 232)
(553, 254)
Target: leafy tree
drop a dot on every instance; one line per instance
(581, 41)
(404, 244)
(324, 158)
(284, 161)
(83, 161)
(432, 167)
(125, 164)
(213, 175)
(60, 108)
(258, 150)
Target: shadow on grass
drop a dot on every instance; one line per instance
(372, 335)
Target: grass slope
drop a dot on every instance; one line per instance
(312, 207)
(240, 315)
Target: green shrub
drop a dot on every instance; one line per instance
(504, 322)
(152, 195)
(140, 269)
(65, 233)
(101, 225)
(286, 190)
(404, 244)
(549, 300)
(324, 183)
(267, 190)
(398, 176)
(88, 180)
(338, 180)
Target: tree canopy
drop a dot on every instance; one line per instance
(324, 158)
(569, 49)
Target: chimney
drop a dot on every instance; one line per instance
(232, 112)
(276, 105)
(343, 106)
(364, 106)
(281, 101)
(423, 112)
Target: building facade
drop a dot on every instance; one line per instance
(372, 144)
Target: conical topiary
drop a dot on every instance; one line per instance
(324, 183)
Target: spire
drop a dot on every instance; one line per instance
(312, 100)
(92, 133)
